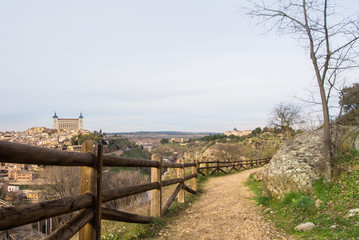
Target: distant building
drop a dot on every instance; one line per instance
(34, 195)
(178, 140)
(238, 133)
(18, 175)
(36, 130)
(68, 123)
(13, 188)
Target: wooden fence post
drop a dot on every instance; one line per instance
(217, 168)
(91, 182)
(207, 168)
(156, 194)
(98, 198)
(180, 174)
(195, 179)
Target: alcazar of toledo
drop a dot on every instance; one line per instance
(68, 123)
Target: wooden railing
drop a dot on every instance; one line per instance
(228, 166)
(87, 221)
(88, 205)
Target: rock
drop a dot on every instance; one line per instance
(333, 226)
(258, 175)
(296, 166)
(305, 227)
(318, 202)
(353, 212)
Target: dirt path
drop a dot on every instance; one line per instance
(224, 211)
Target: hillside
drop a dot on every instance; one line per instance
(219, 147)
(159, 134)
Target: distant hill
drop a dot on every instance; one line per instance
(161, 134)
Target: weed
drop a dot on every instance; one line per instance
(289, 198)
(262, 200)
(304, 203)
(256, 187)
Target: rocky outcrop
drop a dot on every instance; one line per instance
(296, 166)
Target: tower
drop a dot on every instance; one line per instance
(55, 122)
(81, 121)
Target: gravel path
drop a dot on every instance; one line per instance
(224, 211)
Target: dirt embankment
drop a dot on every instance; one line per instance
(224, 211)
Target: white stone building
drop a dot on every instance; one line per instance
(68, 123)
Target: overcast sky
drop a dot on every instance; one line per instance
(144, 65)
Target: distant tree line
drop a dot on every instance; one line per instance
(121, 144)
(225, 138)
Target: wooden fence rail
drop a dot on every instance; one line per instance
(227, 167)
(89, 203)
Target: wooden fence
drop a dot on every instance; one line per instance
(88, 205)
(228, 166)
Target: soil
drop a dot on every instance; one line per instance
(224, 211)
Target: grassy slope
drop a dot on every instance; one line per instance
(336, 199)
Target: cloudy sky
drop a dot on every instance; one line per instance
(144, 65)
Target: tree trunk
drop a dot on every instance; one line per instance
(327, 149)
(320, 80)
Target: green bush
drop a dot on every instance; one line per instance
(79, 139)
(137, 153)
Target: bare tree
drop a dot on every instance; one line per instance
(284, 115)
(116, 180)
(310, 122)
(62, 182)
(330, 39)
(228, 152)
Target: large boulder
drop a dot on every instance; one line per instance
(296, 166)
